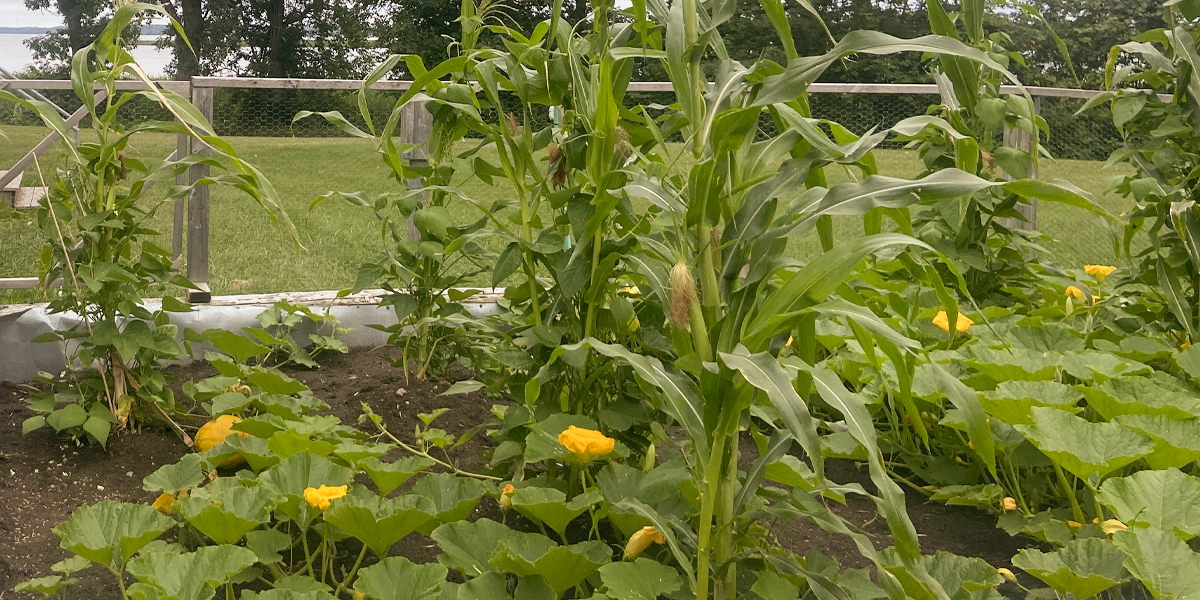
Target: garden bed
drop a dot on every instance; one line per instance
(43, 479)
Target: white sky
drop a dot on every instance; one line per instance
(14, 14)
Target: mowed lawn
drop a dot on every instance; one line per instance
(250, 254)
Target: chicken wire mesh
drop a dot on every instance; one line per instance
(254, 112)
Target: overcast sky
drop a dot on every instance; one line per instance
(14, 14)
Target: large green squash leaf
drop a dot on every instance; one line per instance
(1080, 446)
(377, 524)
(562, 567)
(297, 472)
(1083, 567)
(390, 475)
(1011, 400)
(229, 514)
(453, 497)
(468, 546)
(110, 532)
(397, 578)
(641, 579)
(193, 575)
(1162, 561)
(1168, 500)
(1141, 396)
(1176, 442)
(550, 506)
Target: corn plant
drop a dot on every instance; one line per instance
(94, 220)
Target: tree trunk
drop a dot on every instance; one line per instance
(275, 22)
(187, 63)
(72, 12)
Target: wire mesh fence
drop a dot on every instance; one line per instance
(255, 112)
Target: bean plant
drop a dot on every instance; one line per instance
(98, 244)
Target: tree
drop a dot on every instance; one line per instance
(1089, 28)
(83, 20)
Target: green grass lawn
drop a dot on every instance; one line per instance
(249, 254)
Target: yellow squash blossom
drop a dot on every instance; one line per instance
(506, 496)
(960, 325)
(641, 539)
(1099, 271)
(586, 443)
(1185, 345)
(1008, 503)
(1074, 291)
(1112, 526)
(323, 496)
(1007, 574)
(1074, 524)
(165, 503)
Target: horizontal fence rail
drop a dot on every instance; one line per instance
(262, 107)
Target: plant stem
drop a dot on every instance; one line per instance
(455, 470)
(1069, 490)
(708, 498)
(353, 572)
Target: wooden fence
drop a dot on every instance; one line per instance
(192, 214)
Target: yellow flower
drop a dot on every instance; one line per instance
(1185, 345)
(633, 290)
(1099, 271)
(1112, 526)
(165, 503)
(1074, 291)
(323, 496)
(1007, 574)
(1074, 524)
(960, 325)
(1008, 503)
(641, 539)
(586, 443)
(506, 496)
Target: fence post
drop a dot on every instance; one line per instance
(416, 124)
(1021, 140)
(181, 152)
(197, 210)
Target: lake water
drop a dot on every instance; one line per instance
(15, 56)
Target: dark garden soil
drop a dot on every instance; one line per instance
(43, 479)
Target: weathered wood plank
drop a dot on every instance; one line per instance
(416, 124)
(64, 84)
(294, 84)
(198, 234)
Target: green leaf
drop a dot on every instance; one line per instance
(550, 506)
(287, 594)
(268, 544)
(1011, 400)
(227, 515)
(453, 497)
(1176, 443)
(763, 371)
(562, 567)
(642, 579)
(397, 578)
(891, 503)
(109, 532)
(390, 475)
(1084, 567)
(174, 478)
(293, 474)
(967, 402)
(1161, 561)
(1082, 447)
(794, 80)
(194, 575)
(380, 525)
(468, 546)
(240, 347)
(1168, 500)
(1141, 396)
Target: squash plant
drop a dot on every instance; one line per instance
(97, 242)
